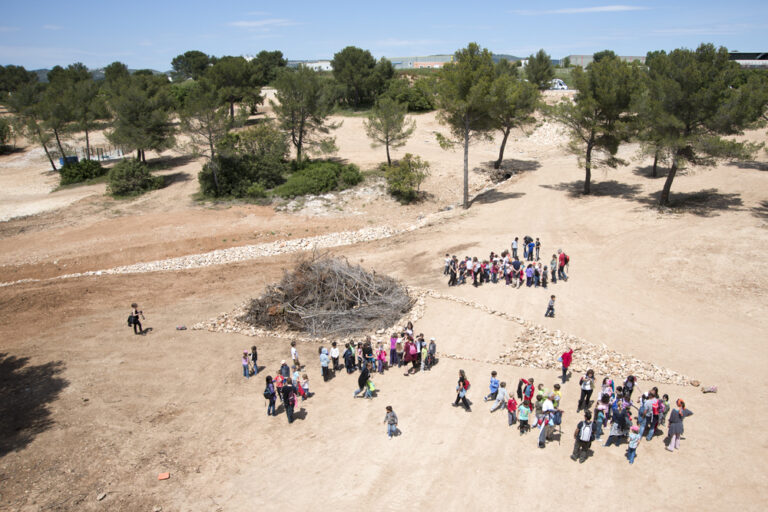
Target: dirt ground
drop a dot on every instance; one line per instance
(88, 408)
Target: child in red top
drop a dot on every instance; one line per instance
(566, 359)
(511, 410)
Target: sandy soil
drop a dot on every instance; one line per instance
(89, 408)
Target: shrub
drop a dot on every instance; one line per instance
(81, 171)
(256, 191)
(319, 178)
(5, 132)
(406, 176)
(419, 96)
(130, 178)
(236, 173)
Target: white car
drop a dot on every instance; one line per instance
(558, 85)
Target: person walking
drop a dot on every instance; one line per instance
(502, 397)
(584, 435)
(461, 391)
(565, 360)
(634, 439)
(391, 420)
(553, 268)
(561, 262)
(550, 308)
(362, 381)
(676, 417)
(134, 319)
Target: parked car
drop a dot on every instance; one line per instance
(558, 85)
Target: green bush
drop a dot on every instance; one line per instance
(319, 178)
(131, 178)
(237, 173)
(406, 176)
(256, 191)
(419, 96)
(83, 170)
(5, 131)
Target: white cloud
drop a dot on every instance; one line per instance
(270, 22)
(52, 27)
(583, 10)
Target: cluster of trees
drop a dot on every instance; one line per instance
(681, 106)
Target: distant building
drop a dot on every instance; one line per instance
(317, 65)
(428, 61)
(757, 60)
(585, 60)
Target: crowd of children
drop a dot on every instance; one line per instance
(508, 268)
(535, 406)
(532, 406)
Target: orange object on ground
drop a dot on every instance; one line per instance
(163, 476)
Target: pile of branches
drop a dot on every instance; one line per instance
(326, 296)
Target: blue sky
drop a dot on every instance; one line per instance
(146, 34)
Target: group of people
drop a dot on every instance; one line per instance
(405, 349)
(507, 267)
(538, 407)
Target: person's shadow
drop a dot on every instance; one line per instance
(146, 331)
(301, 414)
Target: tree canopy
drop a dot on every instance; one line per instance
(386, 125)
(464, 101)
(360, 74)
(192, 64)
(234, 79)
(539, 69)
(512, 105)
(266, 66)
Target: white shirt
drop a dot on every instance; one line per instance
(548, 406)
(514, 244)
(294, 353)
(334, 352)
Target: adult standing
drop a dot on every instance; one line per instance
(271, 395)
(453, 270)
(514, 247)
(561, 261)
(566, 359)
(587, 383)
(134, 318)
(289, 398)
(676, 417)
(461, 391)
(255, 359)
(584, 435)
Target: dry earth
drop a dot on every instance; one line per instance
(88, 408)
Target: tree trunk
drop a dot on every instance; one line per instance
(497, 165)
(58, 142)
(232, 111)
(664, 200)
(299, 144)
(588, 169)
(654, 174)
(143, 157)
(213, 169)
(45, 148)
(87, 146)
(389, 160)
(466, 165)
(138, 155)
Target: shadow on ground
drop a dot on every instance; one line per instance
(176, 177)
(761, 210)
(704, 203)
(25, 392)
(169, 162)
(494, 196)
(758, 166)
(646, 172)
(509, 167)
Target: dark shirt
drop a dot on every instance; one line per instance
(362, 380)
(286, 391)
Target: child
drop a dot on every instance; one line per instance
(254, 360)
(551, 308)
(553, 267)
(305, 387)
(447, 266)
(536, 276)
(393, 349)
(501, 397)
(514, 248)
(424, 355)
(557, 396)
(431, 351)
(381, 358)
(634, 439)
(295, 354)
(493, 387)
(246, 373)
(511, 410)
(324, 362)
(544, 277)
(391, 420)
(601, 414)
(134, 319)
(399, 347)
(523, 412)
(538, 248)
(335, 356)
(665, 407)
(349, 358)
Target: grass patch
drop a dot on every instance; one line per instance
(92, 181)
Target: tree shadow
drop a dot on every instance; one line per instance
(163, 163)
(751, 164)
(509, 167)
(645, 172)
(10, 150)
(761, 211)
(610, 188)
(703, 203)
(176, 177)
(494, 196)
(25, 392)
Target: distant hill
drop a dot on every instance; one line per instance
(98, 74)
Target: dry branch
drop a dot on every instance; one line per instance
(329, 296)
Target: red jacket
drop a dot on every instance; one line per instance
(567, 358)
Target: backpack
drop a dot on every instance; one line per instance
(466, 384)
(567, 259)
(557, 417)
(130, 320)
(292, 399)
(267, 394)
(586, 432)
